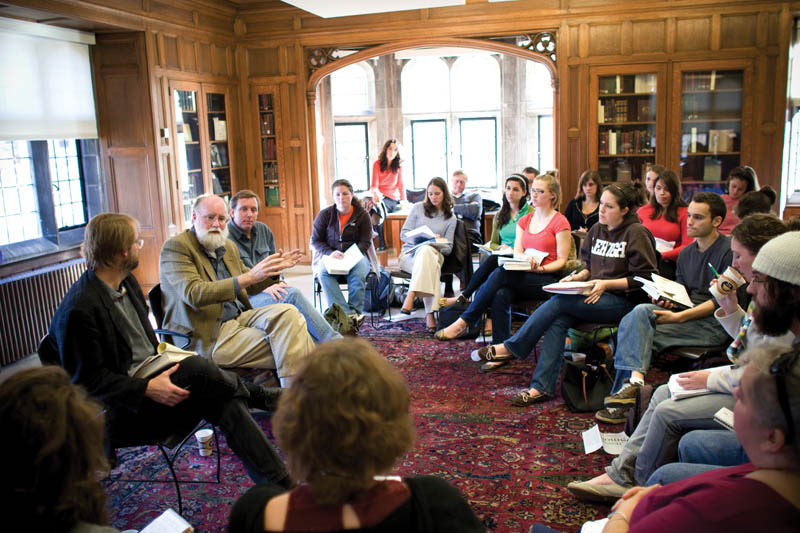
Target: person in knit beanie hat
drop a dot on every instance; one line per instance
(776, 280)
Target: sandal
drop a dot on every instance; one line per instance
(440, 335)
(488, 353)
(526, 399)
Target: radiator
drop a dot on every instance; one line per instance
(28, 302)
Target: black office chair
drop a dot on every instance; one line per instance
(415, 195)
(155, 298)
(170, 447)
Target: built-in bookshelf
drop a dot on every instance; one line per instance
(202, 145)
(218, 143)
(269, 150)
(626, 124)
(711, 127)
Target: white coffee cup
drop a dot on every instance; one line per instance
(203, 437)
(728, 281)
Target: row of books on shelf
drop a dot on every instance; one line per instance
(268, 149)
(636, 83)
(267, 124)
(270, 173)
(626, 142)
(618, 110)
(219, 155)
(712, 141)
(712, 81)
(265, 102)
(622, 170)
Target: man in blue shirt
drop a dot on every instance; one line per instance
(255, 242)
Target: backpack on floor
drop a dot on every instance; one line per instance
(380, 292)
(339, 320)
(449, 314)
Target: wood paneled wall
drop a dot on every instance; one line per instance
(245, 44)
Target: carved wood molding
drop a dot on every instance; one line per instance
(319, 57)
(542, 43)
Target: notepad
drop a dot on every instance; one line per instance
(343, 265)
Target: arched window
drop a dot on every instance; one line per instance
(353, 90)
(475, 83)
(425, 83)
(539, 114)
(538, 88)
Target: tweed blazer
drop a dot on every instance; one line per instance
(193, 297)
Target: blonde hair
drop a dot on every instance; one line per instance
(106, 235)
(553, 186)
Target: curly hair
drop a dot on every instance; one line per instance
(447, 201)
(344, 420)
(52, 449)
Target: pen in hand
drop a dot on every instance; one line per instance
(714, 270)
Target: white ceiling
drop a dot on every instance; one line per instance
(345, 8)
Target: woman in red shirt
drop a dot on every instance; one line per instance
(665, 215)
(387, 177)
(545, 230)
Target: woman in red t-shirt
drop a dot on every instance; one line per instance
(545, 230)
(665, 215)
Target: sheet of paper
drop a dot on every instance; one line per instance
(592, 440)
(665, 288)
(342, 266)
(594, 526)
(612, 443)
(168, 522)
(536, 254)
(486, 248)
(664, 246)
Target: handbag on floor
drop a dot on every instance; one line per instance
(449, 314)
(588, 381)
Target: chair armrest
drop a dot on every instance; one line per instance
(186, 338)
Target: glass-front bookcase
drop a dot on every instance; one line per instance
(711, 128)
(624, 132)
(202, 144)
(269, 150)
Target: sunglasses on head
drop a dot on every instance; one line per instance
(781, 368)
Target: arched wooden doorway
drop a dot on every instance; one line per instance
(328, 65)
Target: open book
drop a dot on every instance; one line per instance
(664, 246)
(336, 267)
(168, 522)
(660, 287)
(166, 355)
(487, 248)
(422, 233)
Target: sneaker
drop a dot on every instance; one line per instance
(626, 396)
(612, 415)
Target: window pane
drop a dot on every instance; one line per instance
(476, 83)
(538, 88)
(546, 142)
(429, 151)
(352, 155)
(479, 151)
(19, 208)
(352, 90)
(425, 85)
(65, 178)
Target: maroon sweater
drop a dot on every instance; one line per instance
(623, 252)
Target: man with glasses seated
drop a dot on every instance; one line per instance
(206, 287)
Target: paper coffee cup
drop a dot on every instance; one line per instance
(203, 437)
(729, 281)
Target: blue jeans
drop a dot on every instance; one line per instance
(671, 472)
(640, 337)
(482, 274)
(318, 327)
(552, 319)
(502, 288)
(655, 440)
(700, 451)
(356, 285)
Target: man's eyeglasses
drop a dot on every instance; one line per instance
(780, 368)
(211, 218)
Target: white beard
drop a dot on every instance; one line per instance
(212, 239)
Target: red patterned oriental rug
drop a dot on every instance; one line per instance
(512, 464)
